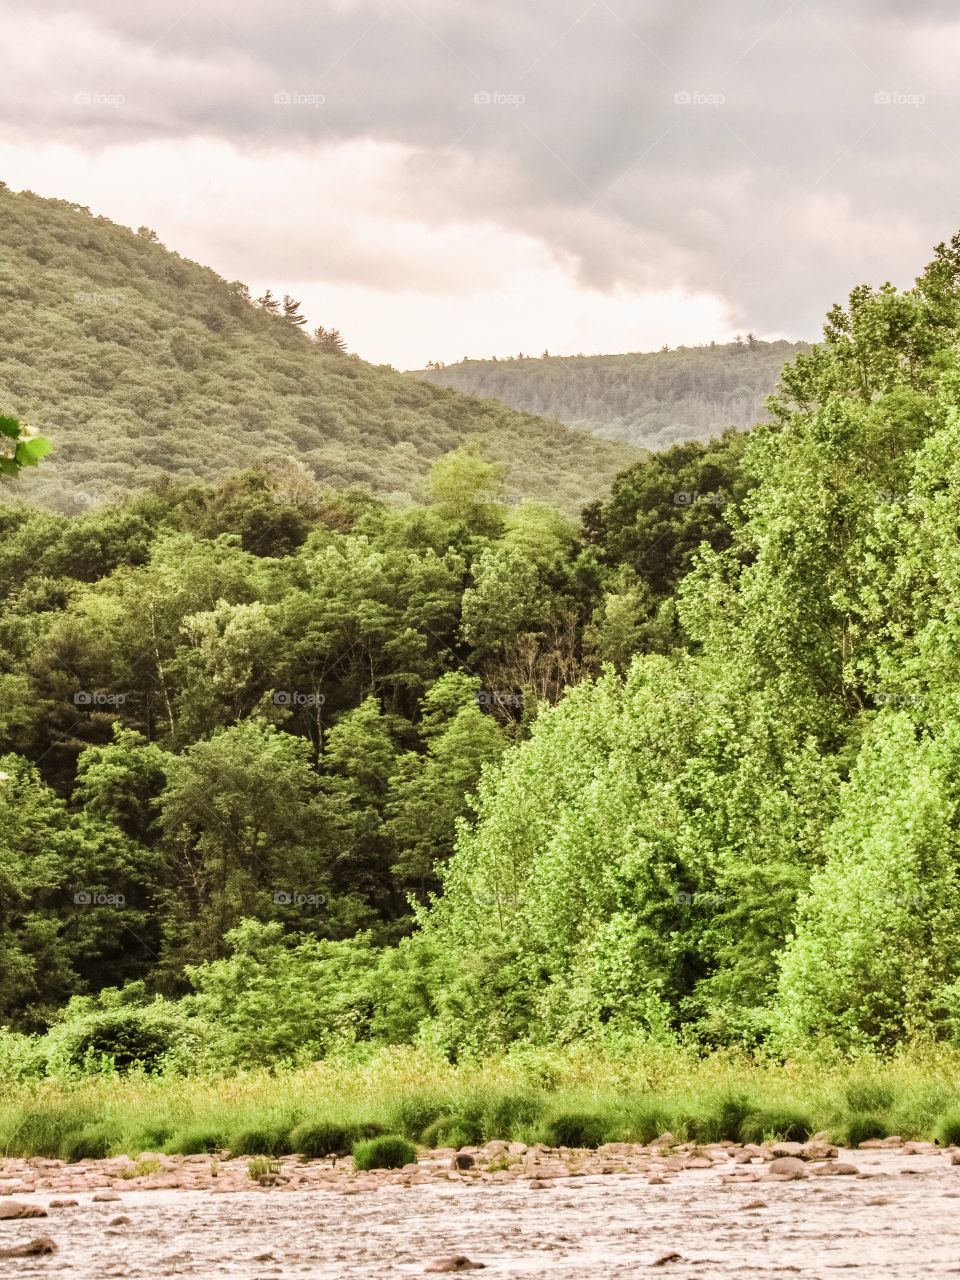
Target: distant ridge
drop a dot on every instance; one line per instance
(650, 399)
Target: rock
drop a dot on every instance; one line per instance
(665, 1140)
(787, 1167)
(819, 1151)
(698, 1162)
(104, 1197)
(63, 1204)
(955, 1157)
(537, 1184)
(458, 1262)
(664, 1258)
(840, 1168)
(32, 1248)
(655, 1180)
(754, 1204)
(517, 1148)
(788, 1149)
(14, 1209)
(120, 1220)
(893, 1141)
(462, 1160)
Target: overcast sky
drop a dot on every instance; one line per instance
(440, 178)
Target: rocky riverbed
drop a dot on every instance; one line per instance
(885, 1210)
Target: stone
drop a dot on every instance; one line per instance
(754, 1204)
(458, 1262)
(787, 1167)
(31, 1249)
(664, 1258)
(63, 1204)
(14, 1209)
(120, 1220)
(104, 1197)
(462, 1160)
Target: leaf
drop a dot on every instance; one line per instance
(29, 452)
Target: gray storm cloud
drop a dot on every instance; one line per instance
(774, 155)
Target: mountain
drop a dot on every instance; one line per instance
(651, 399)
(138, 363)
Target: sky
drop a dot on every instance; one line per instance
(449, 178)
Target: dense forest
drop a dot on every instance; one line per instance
(652, 399)
(140, 364)
(288, 772)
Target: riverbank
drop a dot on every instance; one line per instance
(578, 1097)
(722, 1211)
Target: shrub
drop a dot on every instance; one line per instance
(723, 1122)
(861, 1128)
(865, 1096)
(412, 1114)
(453, 1131)
(777, 1122)
(389, 1151)
(195, 1142)
(260, 1141)
(262, 1170)
(575, 1129)
(505, 1115)
(949, 1131)
(644, 1122)
(318, 1138)
(90, 1143)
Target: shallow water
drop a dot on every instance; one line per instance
(900, 1218)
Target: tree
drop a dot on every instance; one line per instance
(330, 340)
(291, 311)
(267, 302)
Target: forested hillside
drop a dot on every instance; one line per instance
(284, 771)
(139, 364)
(652, 400)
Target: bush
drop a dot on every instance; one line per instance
(195, 1142)
(90, 1143)
(576, 1129)
(506, 1115)
(318, 1138)
(865, 1096)
(412, 1114)
(644, 1122)
(948, 1133)
(457, 1130)
(390, 1151)
(861, 1128)
(260, 1141)
(723, 1122)
(777, 1122)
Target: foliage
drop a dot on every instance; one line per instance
(142, 364)
(653, 400)
(391, 1151)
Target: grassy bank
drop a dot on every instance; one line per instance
(571, 1098)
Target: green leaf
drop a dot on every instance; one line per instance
(29, 452)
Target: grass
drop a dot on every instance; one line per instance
(389, 1151)
(531, 1096)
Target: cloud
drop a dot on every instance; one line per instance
(768, 157)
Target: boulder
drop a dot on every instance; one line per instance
(787, 1167)
(458, 1262)
(15, 1209)
(31, 1249)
